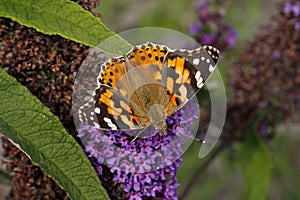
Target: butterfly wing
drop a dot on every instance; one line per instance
(118, 102)
(140, 56)
(186, 73)
(121, 100)
(112, 71)
(110, 110)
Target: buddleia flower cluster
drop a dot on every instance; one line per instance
(265, 81)
(211, 28)
(142, 169)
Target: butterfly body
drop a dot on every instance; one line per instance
(145, 86)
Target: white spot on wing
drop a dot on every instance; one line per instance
(211, 68)
(199, 79)
(113, 127)
(97, 110)
(110, 124)
(199, 85)
(96, 125)
(196, 61)
(198, 75)
(107, 120)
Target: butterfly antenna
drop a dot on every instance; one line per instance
(139, 133)
(182, 134)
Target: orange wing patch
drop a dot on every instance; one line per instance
(105, 98)
(135, 120)
(148, 53)
(112, 71)
(175, 100)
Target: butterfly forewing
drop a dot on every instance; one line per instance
(111, 71)
(198, 63)
(186, 73)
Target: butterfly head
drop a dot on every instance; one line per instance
(157, 116)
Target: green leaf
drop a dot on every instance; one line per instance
(67, 19)
(27, 122)
(256, 167)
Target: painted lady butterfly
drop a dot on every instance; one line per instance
(146, 85)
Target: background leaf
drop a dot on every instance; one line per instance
(256, 167)
(26, 121)
(67, 19)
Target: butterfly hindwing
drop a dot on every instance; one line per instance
(109, 110)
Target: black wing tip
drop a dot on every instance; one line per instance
(213, 52)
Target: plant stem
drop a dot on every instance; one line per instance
(188, 187)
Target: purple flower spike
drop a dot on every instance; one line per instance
(135, 196)
(231, 38)
(203, 6)
(143, 168)
(213, 30)
(292, 10)
(207, 39)
(276, 54)
(287, 7)
(194, 28)
(204, 12)
(296, 9)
